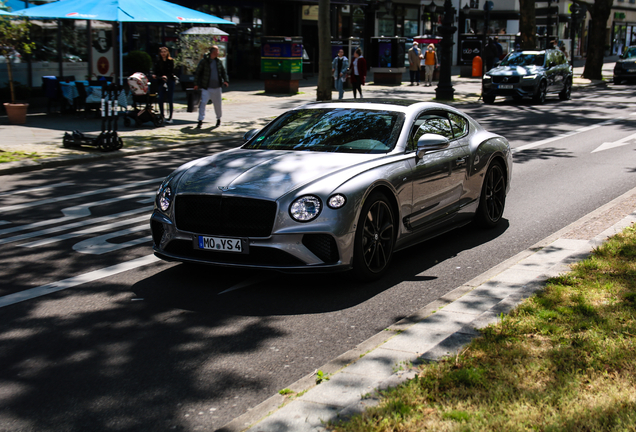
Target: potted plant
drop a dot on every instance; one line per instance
(14, 37)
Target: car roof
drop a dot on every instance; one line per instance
(401, 105)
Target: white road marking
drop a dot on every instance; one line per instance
(74, 281)
(77, 195)
(92, 230)
(99, 245)
(35, 189)
(619, 143)
(75, 212)
(565, 135)
(73, 225)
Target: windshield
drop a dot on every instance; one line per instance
(630, 53)
(523, 59)
(340, 130)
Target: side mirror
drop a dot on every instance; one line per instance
(431, 142)
(249, 134)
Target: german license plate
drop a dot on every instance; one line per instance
(505, 86)
(631, 70)
(221, 244)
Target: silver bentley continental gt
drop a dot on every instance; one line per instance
(334, 186)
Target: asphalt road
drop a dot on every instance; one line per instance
(96, 334)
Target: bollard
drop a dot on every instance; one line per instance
(478, 67)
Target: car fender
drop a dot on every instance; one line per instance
(488, 147)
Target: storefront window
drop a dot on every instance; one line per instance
(411, 23)
(386, 26)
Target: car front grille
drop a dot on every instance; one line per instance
(505, 79)
(224, 216)
(323, 246)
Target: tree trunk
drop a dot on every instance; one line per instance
(7, 57)
(323, 92)
(527, 25)
(600, 12)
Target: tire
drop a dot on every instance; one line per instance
(617, 81)
(566, 93)
(488, 99)
(493, 197)
(158, 121)
(540, 95)
(374, 239)
(127, 121)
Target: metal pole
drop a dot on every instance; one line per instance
(445, 90)
(121, 55)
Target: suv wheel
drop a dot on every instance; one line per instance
(489, 99)
(539, 96)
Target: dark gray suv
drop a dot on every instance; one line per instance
(531, 74)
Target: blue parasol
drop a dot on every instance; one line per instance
(139, 11)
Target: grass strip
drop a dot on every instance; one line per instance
(13, 156)
(563, 360)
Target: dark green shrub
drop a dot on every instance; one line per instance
(137, 61)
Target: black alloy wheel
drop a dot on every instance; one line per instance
(375, 238)
(493, 197)
(566, 93)
(539, 97)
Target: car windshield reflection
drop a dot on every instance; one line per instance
(630, 53)
(341, 130)
(523, 59)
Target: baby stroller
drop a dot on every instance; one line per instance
(143, 99)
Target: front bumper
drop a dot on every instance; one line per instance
(523, 88)
(290, 252)
(625, 71)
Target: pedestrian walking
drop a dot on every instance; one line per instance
(490, 52)
(339, 68)
(430, 61)
(358, 72)
(414, 63)
(499, 49)
(163, 74)
(210, 76)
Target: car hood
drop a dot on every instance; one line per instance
(263, 173)
(627, 60)
(515, 70)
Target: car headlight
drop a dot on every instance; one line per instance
(305, 208)
(486, 77)
(530, 76)
(164, 198)
(336, 201)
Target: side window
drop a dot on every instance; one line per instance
(430, 123)
(459, 125)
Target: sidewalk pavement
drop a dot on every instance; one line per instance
(245, 107)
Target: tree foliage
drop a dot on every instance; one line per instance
(192, 48)
(14, 36)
